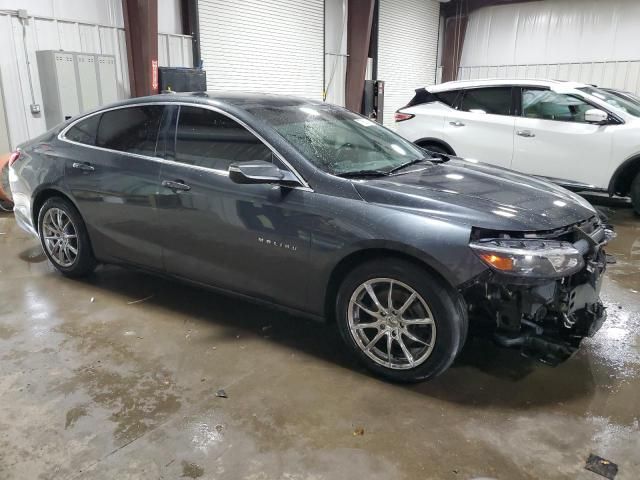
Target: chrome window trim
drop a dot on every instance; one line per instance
(62, 137)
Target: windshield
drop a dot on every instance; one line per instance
(337, 140)
(614, 100)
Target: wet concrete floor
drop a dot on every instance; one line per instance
(95, 384)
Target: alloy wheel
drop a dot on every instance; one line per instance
(391, 323)
(60, 237)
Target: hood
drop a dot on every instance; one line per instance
(479, 195)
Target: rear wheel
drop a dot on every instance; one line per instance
(399, 320)
(64, 238)
(635, 194)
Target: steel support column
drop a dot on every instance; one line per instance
(141, 30)
(359, 23)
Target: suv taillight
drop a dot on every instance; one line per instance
(13, 158)
(401, 117)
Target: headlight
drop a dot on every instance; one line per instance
(530, 258)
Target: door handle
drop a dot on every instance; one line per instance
(87, 167)
(525, 133)
(456, 124)
(176, 185)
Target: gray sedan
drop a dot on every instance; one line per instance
(319, 211)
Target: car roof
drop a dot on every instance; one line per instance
(496, 82)
(240, 100)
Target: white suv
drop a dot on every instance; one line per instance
(573, 134)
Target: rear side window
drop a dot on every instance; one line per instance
(494, 100)
(448, 98)
(84, 131)
(210, 139)
(131, 129)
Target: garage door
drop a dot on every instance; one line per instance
(407, 49)
(274, 46)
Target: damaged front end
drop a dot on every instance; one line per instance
(542, 291)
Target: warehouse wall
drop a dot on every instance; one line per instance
(92, 26)
(274, 46)
(407, 50)
(583, 40)
(335, 50)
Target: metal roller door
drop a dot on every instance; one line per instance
(407, 49)
(274, 46)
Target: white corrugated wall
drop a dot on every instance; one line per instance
(407, 49)
(274, 46)
(91, 26)
(581, 40)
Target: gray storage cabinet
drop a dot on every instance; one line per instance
(74, 82)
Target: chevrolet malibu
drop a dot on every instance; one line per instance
(319, 211)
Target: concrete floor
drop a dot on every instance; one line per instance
(94, 385)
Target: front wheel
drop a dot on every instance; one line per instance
(64, 238)
(400, 321)
(635, 194)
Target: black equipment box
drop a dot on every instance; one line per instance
(182, 79)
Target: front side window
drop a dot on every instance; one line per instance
(616, 101)
(84, 131)
(206, 138)
(337, 140)
(549, 105)
(493, 100)
(131, 129)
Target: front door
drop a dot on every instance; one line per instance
(253, 239)
(482, 126)
(115, 185)
(553, 140)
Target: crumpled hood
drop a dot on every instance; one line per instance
(479, 195)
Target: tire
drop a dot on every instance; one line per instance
(74, 237)
(440, 341)
(635, 194)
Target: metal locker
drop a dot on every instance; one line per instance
(75, 82)
(87, 81)
(59, 87)
(106, 69)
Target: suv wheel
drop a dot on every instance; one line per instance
(64, 238)
(434, 147)
(635, 193)
(400, 321)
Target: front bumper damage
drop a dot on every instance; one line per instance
(546, 320)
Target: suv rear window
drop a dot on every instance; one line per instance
(423, 96)
(493, 100)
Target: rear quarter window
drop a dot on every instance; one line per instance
(84, 131)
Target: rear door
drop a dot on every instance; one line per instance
(552, 139)
(481, 127)
(112, 171)
(252, 239)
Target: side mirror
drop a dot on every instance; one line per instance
(596, 116)
(259, 171)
